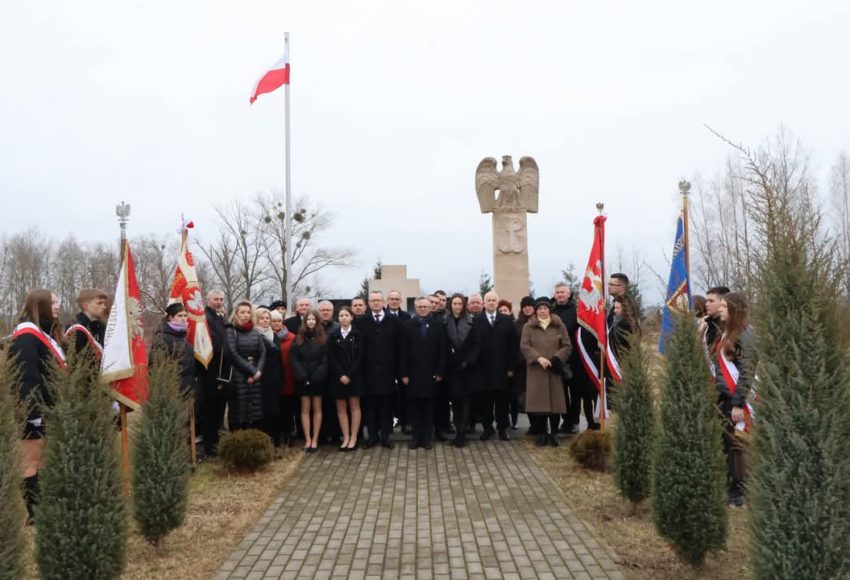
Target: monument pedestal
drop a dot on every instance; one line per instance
(510, 255)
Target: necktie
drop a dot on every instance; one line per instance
(378, 318)
(492, 319)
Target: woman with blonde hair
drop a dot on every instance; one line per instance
(272, 373)
(246, 353)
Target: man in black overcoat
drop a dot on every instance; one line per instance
(498, 352)
(400, 404)
(423, 366)
(213, 393)
(564, 307)
(382, 336)
(302, 307)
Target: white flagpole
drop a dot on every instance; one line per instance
(289, 301)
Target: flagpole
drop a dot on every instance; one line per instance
(604, 398)
(288, 196)
(193, 446)
(684, 189)
(123, 213)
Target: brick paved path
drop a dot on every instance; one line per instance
(486, 511)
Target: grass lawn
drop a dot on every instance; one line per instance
(641, 552)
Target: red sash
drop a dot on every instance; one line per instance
(731, 374)
(30, 328)
(98, 350)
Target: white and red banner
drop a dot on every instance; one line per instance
(275, 77)
(731, 374)
(591, 308)
(75, 328)
(186, 290)
(125, 359)
(46, 340)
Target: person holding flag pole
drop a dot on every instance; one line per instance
(592, 334)
(274, 78)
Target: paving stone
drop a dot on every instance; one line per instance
(486, 511)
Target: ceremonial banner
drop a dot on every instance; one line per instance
(125, 360)
(275, 77)
(678, 286)
(591, 308)
(186, 290)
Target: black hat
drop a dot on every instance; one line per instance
(526, 301)
(173, 309)
(277, 304)
(542, 301)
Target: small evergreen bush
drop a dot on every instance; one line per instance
(689, 477)
(82, 519)
(161, 461)
(634, 437)
(592, 449)
(246, 451)
(13, 513)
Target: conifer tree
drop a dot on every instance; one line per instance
(161, 460)
(12, 511)
(82, 520)
(634, 435)
(689, 478)
(799, 484)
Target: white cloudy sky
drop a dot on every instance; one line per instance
(394, 103)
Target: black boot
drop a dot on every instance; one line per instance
(553, 440)
(542, 440)
(31, 496)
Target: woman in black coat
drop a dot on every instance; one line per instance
(35, 349)
(170, 340)
(309, 357)
(272, 379)
(247, 355)
(345, 359)
(463, 376)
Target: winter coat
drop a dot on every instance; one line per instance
(423, 359)
(310, 366)
(288, 386)
(247, 353)
(345, 358)
(381, 364)
(498, 346)
(463, 341)
(544, 387)
(401, 314)
(219, 365)
(173, 344)
(745, 361)
(272, 379)
(518, 383)
(95, 327)
(33, 360)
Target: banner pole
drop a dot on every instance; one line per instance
(289, 301)
(603, 397)
(123, 213)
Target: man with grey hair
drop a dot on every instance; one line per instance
(499, 343)
(302, 307)
(474, 304)
(212, 398)
(326, 316)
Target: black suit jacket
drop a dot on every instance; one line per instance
(382, 343)
(498, 350)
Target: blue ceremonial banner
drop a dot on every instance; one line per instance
(678, 288)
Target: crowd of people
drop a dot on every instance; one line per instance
(349, 377)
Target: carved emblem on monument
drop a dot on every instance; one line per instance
(517, 196)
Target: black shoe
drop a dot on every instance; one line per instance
(514, 426)
(736, 498)
(571, 430)
(553, 440)
(387, 444)
(428, 446)
(470, 429)
(413, 445)
(450, 430)
(542, 440)
(503, 435)
(489, 432)
(407, 430)
(438, 435)
(594, 427)
(459, 442)
(368, 444)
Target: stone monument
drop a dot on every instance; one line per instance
(518, 193)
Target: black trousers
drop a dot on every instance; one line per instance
(379, 417)
(734, 447)
(460, 416)
(442, 415)
(539, 422)
(401, 407)
(581, 396)
(422, 411)
(213, 407)
(290, 412)
(494, 408)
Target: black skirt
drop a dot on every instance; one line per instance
(337, 390)
(311, 390)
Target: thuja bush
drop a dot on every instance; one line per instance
(592, 449)
(12, 514)
(246, 451)
(689, 476)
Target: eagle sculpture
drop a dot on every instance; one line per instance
(517, 191)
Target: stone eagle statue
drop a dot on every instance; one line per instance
(518, 192)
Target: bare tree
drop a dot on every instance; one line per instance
(839, 189)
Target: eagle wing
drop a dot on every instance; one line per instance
(486, 183)
(529, 183)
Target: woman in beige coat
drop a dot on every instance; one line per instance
(546, 348)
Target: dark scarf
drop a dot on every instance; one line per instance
(246, 328)
(458, 330)
(423, 324)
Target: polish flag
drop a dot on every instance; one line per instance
(275, 77)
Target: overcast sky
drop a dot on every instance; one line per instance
(393, 106)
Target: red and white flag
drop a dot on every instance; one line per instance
(591, 307)
(125, 359)
(186, 290)
(275, 77)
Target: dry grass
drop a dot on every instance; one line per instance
(641, 552)
(222, 507)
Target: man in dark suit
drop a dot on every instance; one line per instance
(394, 306)
(213, 399)
(618, 285)
(564, 307)
(382, 336)
(394, 309)
(423, 364)
(499, 342)
(302, 307)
